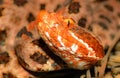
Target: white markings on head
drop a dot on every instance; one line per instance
(71, 49)
(79, 55)
(50, 44)
(47, 34)
(81, 64)
(77, 59)
(60, 40)
(92, 54)
(63, 47)
(81, 41)
(70, 62)
(66, 58)
(56, 25)
(74, 48)
(86, 45)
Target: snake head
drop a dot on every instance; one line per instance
(76, 46)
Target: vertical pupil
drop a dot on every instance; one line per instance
(68, 22)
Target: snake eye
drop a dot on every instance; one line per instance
(69, 21)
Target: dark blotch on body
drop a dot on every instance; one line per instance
(8, 75)
(24, 31)
(74, 7)
(4, 57)
(1, 9)
(42, 6)
(100, 0)
(57, 7)
(90, 28)
(82, 22)
(3, 36)
(30, 17)
(106, 18)
(41, 59)
(108, 7)
(103, 25)
(20, 2)
(118, 14)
